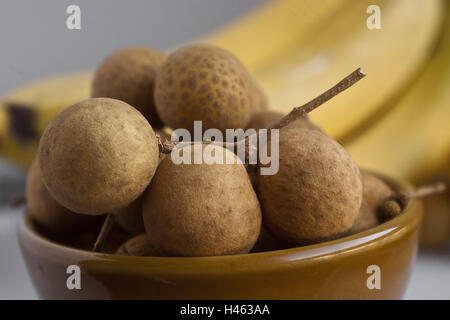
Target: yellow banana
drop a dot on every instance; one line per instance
(412, 140)
(295, 49)
(260, 40)
(267, 33)
(391, 56)
(25, 112)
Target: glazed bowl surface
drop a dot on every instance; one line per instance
(341, 269)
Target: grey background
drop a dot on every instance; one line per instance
(36, 43)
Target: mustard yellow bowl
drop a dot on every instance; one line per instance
(339, 269)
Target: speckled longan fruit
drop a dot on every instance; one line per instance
(50, 214)
(201, 209)
(207, 83)
(137, 246)
(316, 193)
(266, 119)
(375, 191)
(129, 75)
(130, 218)
(98, 156)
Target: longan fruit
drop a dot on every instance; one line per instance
(130, 218)
(137, 246)
(264, 119)
(129, 75)
(202, 209)
(98, 156)
(207, 83)
(375, 191)
(50, 214)
(316, 193)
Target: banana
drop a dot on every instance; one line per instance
(25, 112)
(264, 35)
(294, 48)
(389, 56)
(412, 140)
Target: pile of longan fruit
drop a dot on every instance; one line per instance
(101, 167)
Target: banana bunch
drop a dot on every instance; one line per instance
(412, 140)
(318, 42)
(295, 49)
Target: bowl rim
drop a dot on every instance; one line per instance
(392, 229)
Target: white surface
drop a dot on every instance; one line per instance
(431, 276)
(14, 280)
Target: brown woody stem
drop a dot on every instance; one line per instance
(106, 228)
(296, 113)
(420, 192)
(164, 145)
(427, 190)
(394, 205)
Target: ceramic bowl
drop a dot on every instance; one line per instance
(346, 268)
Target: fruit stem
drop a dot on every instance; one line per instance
(164, 145)
(394, 205)
(420, 192)
(424, 191)
(106, 228)
(298, 112)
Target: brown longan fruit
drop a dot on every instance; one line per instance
(48, 213)
(130, 218)
(138, 246)
(202, 209)
(316, 193)
(375, 191)
(129, 75)
(98, 156)
(207, 83)
(264, 119)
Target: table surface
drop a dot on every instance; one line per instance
(430, 278)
